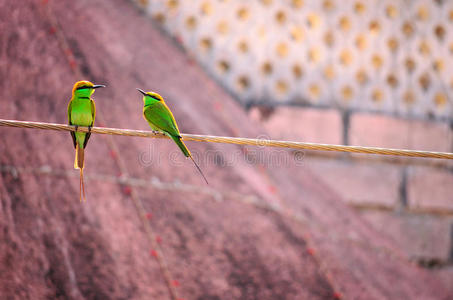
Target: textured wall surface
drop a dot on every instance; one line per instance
(387, 56)
(410, 200)
(354, 58)
(257, 232)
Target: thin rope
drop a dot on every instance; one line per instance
(232, 140)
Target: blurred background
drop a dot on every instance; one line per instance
(272, 224)
(371, 73)
(377, 56)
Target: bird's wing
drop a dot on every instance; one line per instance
(93, 111)
(160, 116)
(93, 114)
(69, 112)
(70, 123)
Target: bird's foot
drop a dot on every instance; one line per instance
(76, 127)
(89, 128)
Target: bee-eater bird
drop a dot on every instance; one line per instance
(160, 118)
(81, 112)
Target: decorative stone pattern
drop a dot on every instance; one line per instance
(388, 56)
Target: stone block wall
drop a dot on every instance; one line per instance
(409, 200)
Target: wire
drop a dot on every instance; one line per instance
(232, 140)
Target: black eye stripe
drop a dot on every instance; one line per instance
(83, 87)
(154, 97)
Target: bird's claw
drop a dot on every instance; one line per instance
(76, 127)
(89, 129)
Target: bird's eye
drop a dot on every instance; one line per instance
(154, 97)
(83, 87)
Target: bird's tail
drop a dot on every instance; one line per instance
(199, 170)
(182, 146)
(79, 157)
(82, 187)
(78, 164)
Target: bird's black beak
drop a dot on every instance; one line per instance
(141, 91)
(96, 86)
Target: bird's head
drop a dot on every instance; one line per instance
(85, 88)
(150, 97)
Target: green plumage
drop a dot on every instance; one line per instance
(81, 112)
(160, 118)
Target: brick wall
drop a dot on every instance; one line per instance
(352, 54)
(409, 200)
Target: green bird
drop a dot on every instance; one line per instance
(160, 118)
(81, 112)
